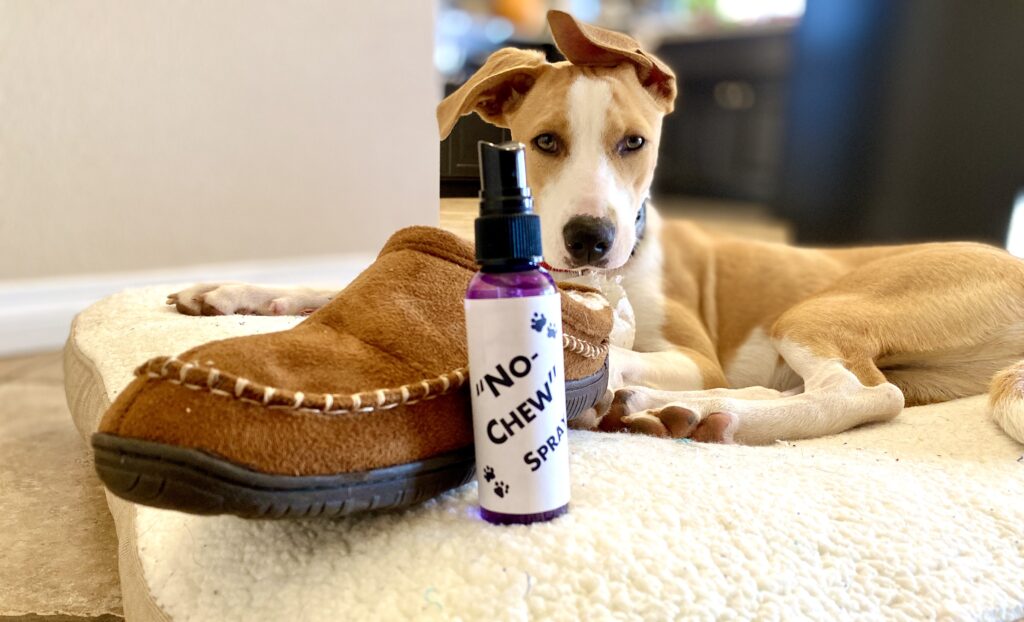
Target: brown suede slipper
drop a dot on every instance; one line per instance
(361, 406)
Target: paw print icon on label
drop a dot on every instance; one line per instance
(537, 322)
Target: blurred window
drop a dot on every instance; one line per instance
(1015, 236)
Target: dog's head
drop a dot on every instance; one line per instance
(591, 126)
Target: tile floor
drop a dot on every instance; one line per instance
(58, 552)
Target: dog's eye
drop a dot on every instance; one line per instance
(631, 143)
(548, 143)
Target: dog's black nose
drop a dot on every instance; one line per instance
(588, 239)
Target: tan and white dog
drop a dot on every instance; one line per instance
(736, 340)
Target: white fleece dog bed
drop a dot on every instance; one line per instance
(919, 518)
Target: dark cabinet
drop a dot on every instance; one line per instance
(725, 137)
(460, 170)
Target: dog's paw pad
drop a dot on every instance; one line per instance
(716, 428)
(645, 423)
(679, 420)
(619, 408)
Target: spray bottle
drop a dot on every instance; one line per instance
(514, 331)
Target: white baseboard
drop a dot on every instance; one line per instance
(36, 314)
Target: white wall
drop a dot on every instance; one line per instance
(141, 134)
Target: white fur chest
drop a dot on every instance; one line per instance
(641, 280)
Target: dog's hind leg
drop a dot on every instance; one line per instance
(248, 299)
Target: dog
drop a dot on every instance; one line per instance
(736, 340)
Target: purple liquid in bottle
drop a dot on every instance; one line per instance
(511, 408)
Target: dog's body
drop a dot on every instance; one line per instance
(863, 330)
(735, 340)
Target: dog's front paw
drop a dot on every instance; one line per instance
(629, 412)
(681, 422)
(676, 421)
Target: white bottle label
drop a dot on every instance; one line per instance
(517, 390)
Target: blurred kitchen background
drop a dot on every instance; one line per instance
(842, 121)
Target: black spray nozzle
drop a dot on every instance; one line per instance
(503, 188)
(507, 231)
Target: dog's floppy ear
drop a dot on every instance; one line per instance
(495, 90)
(586, 45)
